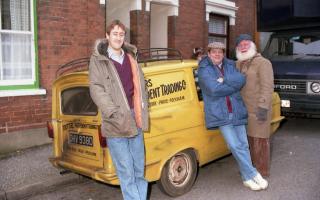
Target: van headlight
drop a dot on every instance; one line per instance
(314, 87)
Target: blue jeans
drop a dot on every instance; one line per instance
(128, 157)
(237, 141)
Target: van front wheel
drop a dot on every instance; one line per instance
(179, 174)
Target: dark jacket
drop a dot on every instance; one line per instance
(108, 94)
(214, 93)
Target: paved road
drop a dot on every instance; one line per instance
(295, 173)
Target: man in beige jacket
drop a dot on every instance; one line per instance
(257, 96)
(117, 87)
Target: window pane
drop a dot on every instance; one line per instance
(15, 15)
(305, 45)
(217, 25)
(77, 101)
(16, 56)
(217, 39)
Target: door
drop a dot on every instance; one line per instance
(79, 128)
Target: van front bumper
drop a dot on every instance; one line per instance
(300, 106)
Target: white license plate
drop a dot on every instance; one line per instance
(285, 103)
(79, 139)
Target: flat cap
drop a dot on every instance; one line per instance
(243, 37)
(216, 45)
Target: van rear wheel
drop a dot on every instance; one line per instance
(179, 174)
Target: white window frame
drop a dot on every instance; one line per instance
(33, 56)
(222, 7)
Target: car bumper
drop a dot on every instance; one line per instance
(300, 106)
(97, 174)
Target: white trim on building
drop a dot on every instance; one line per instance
(174, 4)
(22, 92)
(221, 7)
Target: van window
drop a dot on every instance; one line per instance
(77, 101)
(294, 45)
(308, 45)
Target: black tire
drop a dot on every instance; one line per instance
(179, 174)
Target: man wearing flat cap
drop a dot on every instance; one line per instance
(257, 96)
(224, 108)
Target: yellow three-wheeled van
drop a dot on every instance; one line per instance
(178, 141)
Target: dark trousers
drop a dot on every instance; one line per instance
(260, 154)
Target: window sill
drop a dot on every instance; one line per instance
(26, 92)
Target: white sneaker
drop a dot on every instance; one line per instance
(263, 183)
(252, 185)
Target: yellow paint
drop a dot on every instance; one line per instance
(176, 124)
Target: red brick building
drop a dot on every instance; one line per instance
(38, 36)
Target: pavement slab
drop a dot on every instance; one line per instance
(28, 172)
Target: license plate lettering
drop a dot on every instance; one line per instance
(79, 139)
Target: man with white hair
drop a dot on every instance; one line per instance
(220, 83)
(257, 96)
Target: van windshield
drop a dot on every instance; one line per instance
(294, 45)
(77, 101)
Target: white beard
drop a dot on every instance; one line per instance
(247, 55)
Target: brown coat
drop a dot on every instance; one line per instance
(257, 92)
(107, 92)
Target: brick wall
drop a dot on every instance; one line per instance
(140, 28)
(66, 31)
(186, 31)
(19, 113)
(190, 28)
(245, 20)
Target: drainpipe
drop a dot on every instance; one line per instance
(105, 22)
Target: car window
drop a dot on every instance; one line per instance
(77, 101)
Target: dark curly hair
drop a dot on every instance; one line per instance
(196, 52)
